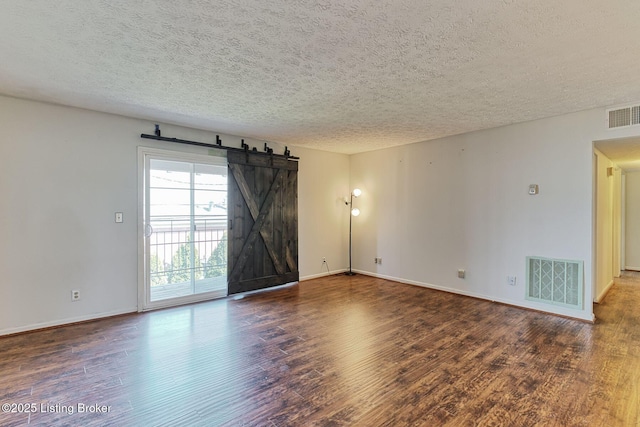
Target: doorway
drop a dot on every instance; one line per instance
(616, 161)
(184, 228)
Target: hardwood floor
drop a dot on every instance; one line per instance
(335, 351)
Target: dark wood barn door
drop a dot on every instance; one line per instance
(263, 228)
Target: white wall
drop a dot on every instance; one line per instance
(604, 226)
(431, 208)
(63, 174)
(617, 221)
(427, 208)
(632, 229)
(323, 182)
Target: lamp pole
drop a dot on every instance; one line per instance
(350, 273)
(352, 212)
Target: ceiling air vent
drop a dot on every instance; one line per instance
(624, 116)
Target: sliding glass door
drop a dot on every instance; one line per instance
(185, 229)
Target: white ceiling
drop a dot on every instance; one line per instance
(344, 76)
(625, 152)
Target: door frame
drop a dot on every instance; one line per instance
(144, 303)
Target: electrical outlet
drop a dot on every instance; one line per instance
(75, 295)
(511, 280)
(118, 217)
(379, 260)
(461, 273)
(375, 260)
(324, 260)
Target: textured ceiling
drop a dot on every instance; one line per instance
(345, 76)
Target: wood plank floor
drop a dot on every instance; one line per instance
(336, 351)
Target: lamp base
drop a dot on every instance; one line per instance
(350, 273)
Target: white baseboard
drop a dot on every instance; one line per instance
(543, 308)
(561, 311)
(603, 294)
(326, 273)
(631, 268)
(67, 321)
(85, 318)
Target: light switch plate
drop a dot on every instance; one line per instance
(119, 217)
(533, 189)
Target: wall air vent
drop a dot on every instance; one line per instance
(624, 116)
(555, 281)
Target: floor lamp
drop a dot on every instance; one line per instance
(354, 212)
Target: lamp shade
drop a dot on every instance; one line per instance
(355, 211)
(356, 192)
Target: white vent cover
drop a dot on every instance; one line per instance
(624, 116)
(555, 281)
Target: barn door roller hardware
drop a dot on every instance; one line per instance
(218, 144)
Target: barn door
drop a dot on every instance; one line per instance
(263, 221)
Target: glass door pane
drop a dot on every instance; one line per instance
(186, 233)
(210, 223)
